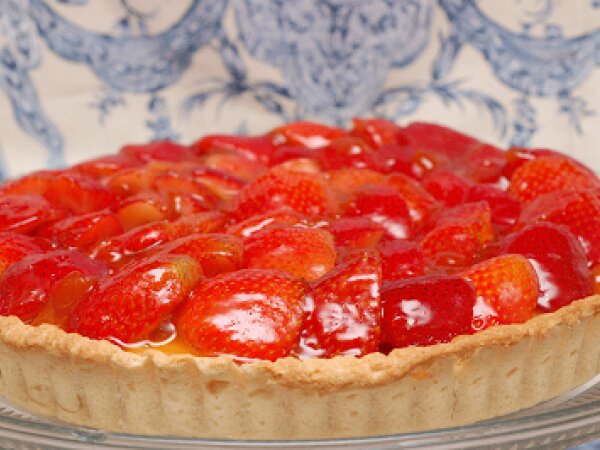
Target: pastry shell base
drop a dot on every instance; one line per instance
(494, 372)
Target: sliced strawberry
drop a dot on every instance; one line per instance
(304, 252)
(376, 132)
(275, 219)
(224, 185)
(78, 193)
(420, 203)
(25, 213)
(550, 173)
(426, 310)
(507, 290)
(504, 206)
(348, 151)
(517, 156)
(414, 162)
(15, 246)
(131, 181)
(343, 317)
(130, 304)
(141, 209)
(578, 210)
(234, 165)
(384, 206)
(82, 231)
(106, 166)
(345, 182)
(255, 148)
(26, 285)
(307, 134)
(449, 188)
(248, 314)
(204, 222)
(32, 184)
(483, 163)
(401, 259)
(156, 151)
(559, 261)
(216, 253)
(429, 136)
(305, 193)
(355, 232)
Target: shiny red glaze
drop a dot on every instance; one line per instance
(35, 183)
(260, 222)
(376, 132)
(355, 232)
(15, 246)
(106, 165)
(78, 193)
(484, 163)
(437, 138)
(25, 213)
(449, 188)
(415, 162)
(254, 148)
(504, 206)
(156, 151)
(517, 156)
(401, 259)
(307, 134)
(348, 151)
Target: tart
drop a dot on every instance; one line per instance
(310, 282)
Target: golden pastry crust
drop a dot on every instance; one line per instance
(497, 371)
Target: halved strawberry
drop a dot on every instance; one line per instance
(15, 246)
(430, 136)
(156, 151)
(307, 134)
(550, 173)
(507, 290)
(224, 185)
(140, 209)
(355, 232)
(305, 193)
(25, 213)
(345, 182)
(177, 187)
(254, 148)
(78, 193)
(426, 310)
(414, 162)
(558, 259)
(248, 314)
(376, 132)
(131, 303)
(483, 163)
(504, 206)
(343, 316)
(517, 156)
(401, 259)
(234, 165)
(348, 151)
(26, 285)
(275, 219)
(105, 166)
(421, 204)
(35, 183)
(447, 187)
(304, 252)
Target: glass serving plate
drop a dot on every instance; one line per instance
(565, 421)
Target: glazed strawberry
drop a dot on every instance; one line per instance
(156, 151)
(345, 182)
(376, 132)
(78, 193)
(15, 246)
(449, 188)
(82, 231)
(459, 234)
(577, 210)
(130, 181)
(401, 259)
(550, 173)
(305, 193)
(248, 314)
(141, 209)
(204, 222)
(275, 219)
(106, 166)
(415, 162)
(303, 252)
(216, 253)
(426, 310)
(175, 186)
(507, 290)
(25, 213)
(307, 134)
(429, 136)
(153, 287)
(559, 261)
(384, 206)
(306, 165)
(32, 184)
(420, 203)
(254, 148)
(224, 185)
(517, 156)
(504, 206)
(26, 285)
(343, 316)
(348, 151)
(234, 165)
(355, 232)
(483, 163)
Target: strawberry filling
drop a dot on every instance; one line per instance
(307, 241)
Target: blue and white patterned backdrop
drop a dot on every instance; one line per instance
(79, 78)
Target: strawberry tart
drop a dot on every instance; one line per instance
(310, 282)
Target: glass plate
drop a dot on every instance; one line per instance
(562, 422)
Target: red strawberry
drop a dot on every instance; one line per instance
(483, 163)
(429, 136)
(550, 173)
(78, 193)
(401, 259)
(105, 166)
(255, 148)
(517, 156)
(306, 134)
(355, 232)
(248, 314)
(420, 203)
(178, 187)
(426, 310)
(412, 161)
(141, 209)
(504, 206)
(343, 317)
(345, 182)
(204, 222)
(559, 261)
(234, 165)
(305, 193)
(304, 252)
(131, 303)
(82, 231)
(578, 210)
(156, 151)
(216, 253)
(447, 187)
(14, 247)
(224, 185)
(376, 132)
(348, 151)
(32, 184)
(131, 181)
(26, 285)
(275, 219)
(384, 206)
(507, 290)
(24, 213)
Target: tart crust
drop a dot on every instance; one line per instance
(494, 372)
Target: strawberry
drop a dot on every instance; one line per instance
(248, 314)
(224, 185)
(78, 193)
(141, 209)
(82, 231)
(304, 252)
(384, 206)
(345, 182)
(234, 165)
(130, 181)
(216, 253)
(177, 187)
(343, 316)
(257, 149)
(449, 188)
(517, 156)
(105, 166)
(355, 232)
(550, 173)
(483, 163)
(421, 204)
(305, 193)
(275, 219)
(156, 151)
(414, 162)
(558, 259)
(426, 310)
(507, 290)
(153, 287)
(459, 234)
(306, 134)
(32, 184)
(401, 259)
(14, 247)
(577, 210)
(348, 151)
(376, 132)
(24, 213)
(429, 136)
(504, 206)
(27, 284)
